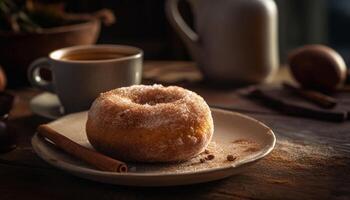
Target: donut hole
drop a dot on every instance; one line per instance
(155, 97)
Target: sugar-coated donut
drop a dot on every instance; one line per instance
(150, 124)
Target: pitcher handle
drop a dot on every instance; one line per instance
(179, 24)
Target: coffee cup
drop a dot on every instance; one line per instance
(81, 73)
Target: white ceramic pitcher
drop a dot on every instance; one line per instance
(235, 40)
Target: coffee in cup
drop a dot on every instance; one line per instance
(81, 73)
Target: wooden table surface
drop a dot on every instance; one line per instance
(311, 159)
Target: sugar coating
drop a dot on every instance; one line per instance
(156, 105)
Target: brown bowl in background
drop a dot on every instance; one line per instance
(18, 50)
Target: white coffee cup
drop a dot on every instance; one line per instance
(81, 73)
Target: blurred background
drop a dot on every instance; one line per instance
(143, 23)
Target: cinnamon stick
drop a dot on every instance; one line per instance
(94, 158)
(296, 110)
(318, 98)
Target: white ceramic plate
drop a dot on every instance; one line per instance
(247, 139)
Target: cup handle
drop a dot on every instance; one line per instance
(34, 74)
